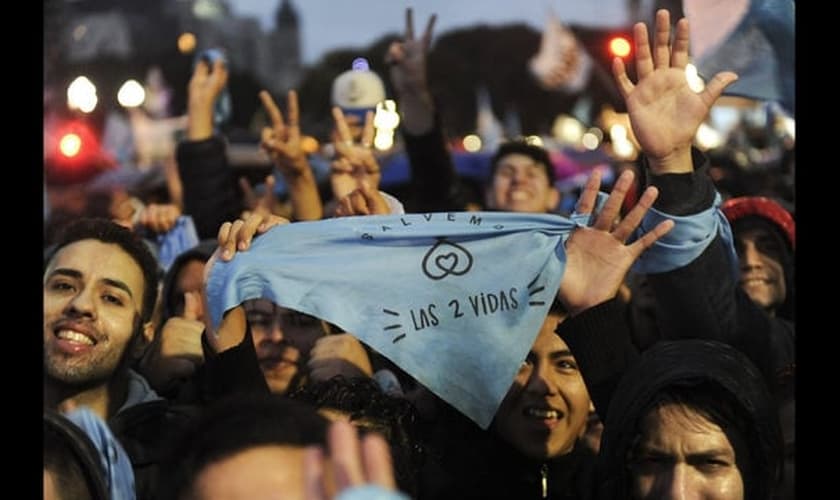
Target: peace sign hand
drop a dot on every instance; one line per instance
(282, 141)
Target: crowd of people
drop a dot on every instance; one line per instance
(663, 367)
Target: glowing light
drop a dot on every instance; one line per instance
(383, 140)
(386, 116)
(70, 145)
(472, 143)
(590, 141)
(623, 149)
(534, 140)
(619, 46)
(618, 132)
(695, 83)
(567, 129)
(131, 94)
(360, 64)
(789, 125)
(707, 137)
(597, 132)
(81, 95)
(186, 43)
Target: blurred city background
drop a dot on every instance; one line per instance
(116, 74)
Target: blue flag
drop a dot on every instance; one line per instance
(454, 299)
(759, 46)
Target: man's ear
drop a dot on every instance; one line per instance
(143, 340)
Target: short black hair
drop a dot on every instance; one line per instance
(107, 231)
(237, 423)
(536, 153)
(372, 410)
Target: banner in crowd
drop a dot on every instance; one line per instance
(454, 299)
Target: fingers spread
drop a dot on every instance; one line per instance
(313, 473)
(344, 449)
(632, 220)
(679, 51)
(662, 39)
(294, 115)
(427, 35)
(651, 237)
(716, 85)
(409, 24)
(369, 131)
(345, 137)
(644, 62)
(625, 86)
(273, 112)
(586, 203)
(613, 205)
(377, 461)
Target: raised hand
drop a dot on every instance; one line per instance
(362, 201)
(159, 217)
(407, 62)
(354, 162)
(282, 141)
(407, 59)
(258, 203)
(665, 112)
(597, 259)
(205, 86)
(178, 351)
(233, 237)
(340, 354)
(237, 235)
(352, 463)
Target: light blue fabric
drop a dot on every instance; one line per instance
(139, 391)
(177, 240)
(761, 50)
(686, 241)
(119, 474)
(454, 299)
(370, 492)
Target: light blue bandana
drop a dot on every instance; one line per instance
(454, 299)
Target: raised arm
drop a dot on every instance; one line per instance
(597, 259)
(209, 188)
(282, 142)
(699, 298)
(433, 175)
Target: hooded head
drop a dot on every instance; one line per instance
(711, 388)
(765, 237)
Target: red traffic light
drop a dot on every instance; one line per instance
(619, 46)
(70, 145)
(72, 153)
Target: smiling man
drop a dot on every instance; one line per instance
(522, 179)
(100, 288)
(764, 239)
(546, 408)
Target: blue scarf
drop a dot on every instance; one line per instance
(454, 299)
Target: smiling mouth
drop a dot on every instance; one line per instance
(519, 195)
(74, 337)
(543, 413)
